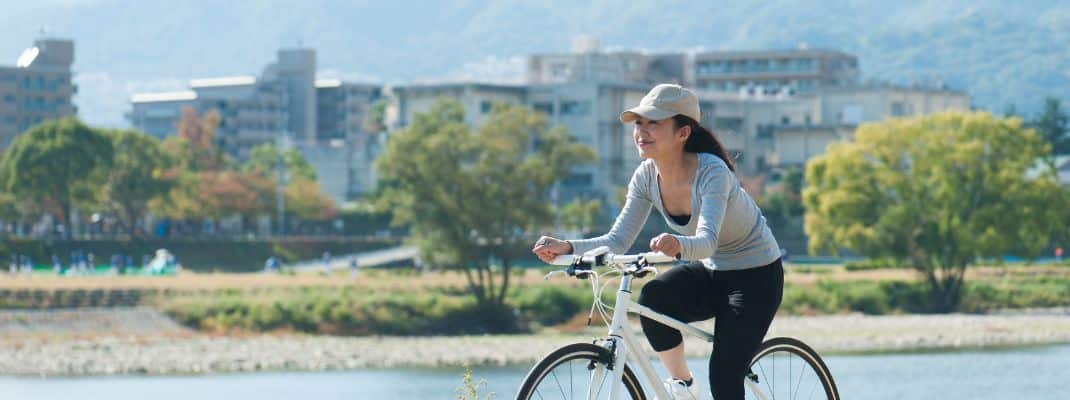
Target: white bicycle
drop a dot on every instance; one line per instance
(783, 368)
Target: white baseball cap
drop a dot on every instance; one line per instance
(664, 101)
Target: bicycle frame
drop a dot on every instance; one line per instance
(625, 345)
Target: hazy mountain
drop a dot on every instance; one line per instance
(1000, 52)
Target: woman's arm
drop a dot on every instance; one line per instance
(629, 222)
(714, 190)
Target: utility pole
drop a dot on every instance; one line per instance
(281, 145)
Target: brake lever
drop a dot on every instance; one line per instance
(547, 277)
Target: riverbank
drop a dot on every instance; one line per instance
(144, 341)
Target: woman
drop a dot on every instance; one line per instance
(735, 274)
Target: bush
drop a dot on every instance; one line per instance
(871, 264)
(808, 300)
(345, 312)
(550, 304)
(869, 298)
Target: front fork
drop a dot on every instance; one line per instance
(621, 340)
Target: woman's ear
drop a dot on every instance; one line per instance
(684, 132)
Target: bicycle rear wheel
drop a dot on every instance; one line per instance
(788, 369)
(577, 371)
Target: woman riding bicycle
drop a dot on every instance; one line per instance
(735, 272)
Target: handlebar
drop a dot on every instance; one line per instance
(580, 266)
(601, 256)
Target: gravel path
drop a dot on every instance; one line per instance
(143, 341)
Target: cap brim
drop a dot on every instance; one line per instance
(648, 112)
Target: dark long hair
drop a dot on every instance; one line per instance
(702, 140)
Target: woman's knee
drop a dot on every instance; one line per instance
(654, 293)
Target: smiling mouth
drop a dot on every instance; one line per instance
(644, 143)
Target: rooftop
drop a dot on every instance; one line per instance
(163, 97)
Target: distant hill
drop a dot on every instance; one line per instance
(1000, 52)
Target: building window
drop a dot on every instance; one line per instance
(851, 114)
(898, 110)
(785, 120)
(575, 107)
(728, 124)
(544, 107)
(9, 98)
(559, 70)
(486, 106)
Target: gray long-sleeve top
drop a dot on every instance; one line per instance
(727, 233)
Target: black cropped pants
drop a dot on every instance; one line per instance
(743, 301)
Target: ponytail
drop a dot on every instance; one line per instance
(702, 140)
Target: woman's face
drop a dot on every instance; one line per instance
(655, 139)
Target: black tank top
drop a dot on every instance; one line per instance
(680, 219)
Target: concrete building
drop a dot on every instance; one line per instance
(586, 63)
(477, 99)
(770, 109)
(37, 88)
(771, 72)
(588, 110)
(832, 114)
(284, 104)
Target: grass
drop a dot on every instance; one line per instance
(403, 302)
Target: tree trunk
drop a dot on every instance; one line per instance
(505, 281)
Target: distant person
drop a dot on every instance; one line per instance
(326, 260)
(354, 268)
(90, 263)
(1059, 255)
(27, 265)
(57, 264)
(113, 264)
(271, 265)
(13, 268)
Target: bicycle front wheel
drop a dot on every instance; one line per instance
(577, 371)
(787, 368)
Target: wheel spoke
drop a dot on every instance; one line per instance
(548, 373)
(559, 386)
(570, 392)
(811, 373)
(801, 372)
(767, 381)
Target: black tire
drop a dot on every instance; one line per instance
(544, 381)
(812, 372)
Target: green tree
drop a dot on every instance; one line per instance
(783, 208)
(199, 149)
(374, 119)
(581, 215)
(136, 175)
(1054, 125)
(935, 191)
(52, 162)
(11, 209)
(470, 196)
(263, 160)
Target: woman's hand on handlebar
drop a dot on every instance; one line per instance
(548, 248)
(667, 244)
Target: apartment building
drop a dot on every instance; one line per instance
(772, 72)
(37, 88)
(285, 104)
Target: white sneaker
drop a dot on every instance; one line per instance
(678, 389)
